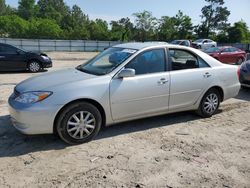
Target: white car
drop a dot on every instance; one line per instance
(125, 82)
(204, 44)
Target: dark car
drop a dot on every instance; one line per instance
(227, 54)
(14, 59)
(181, 42)
(244, 74)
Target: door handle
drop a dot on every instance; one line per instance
(207, 75)
(162, 81)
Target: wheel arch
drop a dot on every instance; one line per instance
(91, 101)
(219, 89)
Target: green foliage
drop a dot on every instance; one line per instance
(52, 9)
(145, 25)
(215, 18)
(239, 33)
(178, 27)
(27, 9)
(44, 28)
(2, 7)
(13, 26)
(121, 30)
(53, 19)
(98, 30)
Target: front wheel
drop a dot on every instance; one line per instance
(34, 66)
(209, 103)
(79, 123)
(239, 61)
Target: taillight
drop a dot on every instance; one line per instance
(238, 72)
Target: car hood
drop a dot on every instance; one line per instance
(52, 79)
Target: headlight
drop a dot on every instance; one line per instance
(32, 97)
(46, 58)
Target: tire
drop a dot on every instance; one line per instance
(207, 108)
(199, 47)
(240, 61)
(34, 66)
(79, 123)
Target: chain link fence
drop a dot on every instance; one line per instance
(59, 45)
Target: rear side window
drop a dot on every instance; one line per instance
(9, 50)
(182, 59)
(151, 61)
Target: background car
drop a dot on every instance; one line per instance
(181, 42)
(125, 82)
(244, 74)
(227, 54)
(13, 59)
(204, 44)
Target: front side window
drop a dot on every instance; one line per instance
(151, 61)
(106, 61)
(181, 60)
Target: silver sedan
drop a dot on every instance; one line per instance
(125, 82)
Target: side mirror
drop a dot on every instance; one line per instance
(125, 73)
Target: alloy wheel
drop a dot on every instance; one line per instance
(34, 66)
(81, 124)
(211, 103)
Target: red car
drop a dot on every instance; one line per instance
(227, 54)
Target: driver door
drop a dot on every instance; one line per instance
(144, 94)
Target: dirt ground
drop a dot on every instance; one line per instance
(177, 150)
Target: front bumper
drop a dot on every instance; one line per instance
(33, 119)
(47, 64)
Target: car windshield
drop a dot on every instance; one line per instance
(212, 50)
(176, 42)
(106, 61)
(199, 40)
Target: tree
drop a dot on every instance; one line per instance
(27, 9)
(13, 26)
(183, 26)
(44, 29)
(98, 30)
(166, 28)
(75, 24)
(214, 18)
(145, 24)
(53, 9)
(2, 7)
(239, 32)
(121, 30)
(178, 27)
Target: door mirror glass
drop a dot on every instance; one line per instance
(125, 73)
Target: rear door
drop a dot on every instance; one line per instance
(190, 76)
(11, 58)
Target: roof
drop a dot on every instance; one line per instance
(140, 45)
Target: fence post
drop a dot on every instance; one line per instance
(70, 45)
(84, 46)
(39, 47)
(97, 46)
(55, 45)
(21, 42)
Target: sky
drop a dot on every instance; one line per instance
(116, 9)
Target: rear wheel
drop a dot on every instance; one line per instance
(209, 103)
(79, 123)
(34, 66)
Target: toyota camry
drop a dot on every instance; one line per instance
(124, 82)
